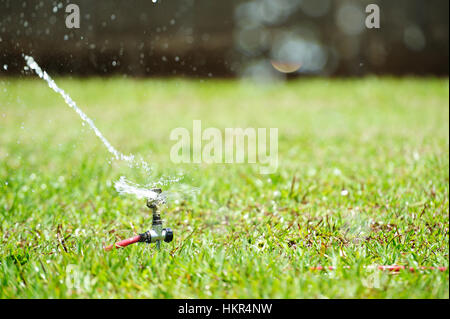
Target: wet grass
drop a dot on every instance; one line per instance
(363, 179)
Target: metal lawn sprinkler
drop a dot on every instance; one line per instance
(155, 235)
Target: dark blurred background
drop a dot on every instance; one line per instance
(212, 38)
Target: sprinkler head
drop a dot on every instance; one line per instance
(156, 235)
(152, 203)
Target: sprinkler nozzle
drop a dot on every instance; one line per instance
(152, 203)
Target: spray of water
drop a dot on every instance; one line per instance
(122, 185)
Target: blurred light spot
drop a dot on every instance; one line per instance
(292, 51)
(350, 19)
(271, 12)
(286, 67)
(414, 38)
(254, 13)
(252, 40)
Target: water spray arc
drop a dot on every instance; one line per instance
(122, 184)
(153, 196)
(154, 236)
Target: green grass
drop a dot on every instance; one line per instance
(241, 234)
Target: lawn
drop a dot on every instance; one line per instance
(363, 180)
